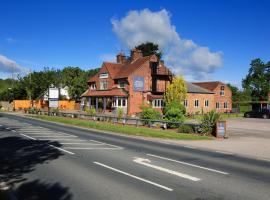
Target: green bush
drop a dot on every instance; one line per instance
(90, 111)
(120, 113)
(185, 128)
(209, 121)
(149, 114)
(174, 112)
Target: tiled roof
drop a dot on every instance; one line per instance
(192, 88)
(208, 85)
(150, 97)
(127, 69)
(105, 93)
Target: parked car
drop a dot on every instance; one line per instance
(261, 113)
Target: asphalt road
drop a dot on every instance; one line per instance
(43, 160)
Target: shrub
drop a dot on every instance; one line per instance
(90, 111)
(120, 113)
(174, 112)
(185, 128)
(209, 121)
(149, 114)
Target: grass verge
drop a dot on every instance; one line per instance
(127, 129)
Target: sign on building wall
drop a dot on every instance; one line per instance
(138, 83)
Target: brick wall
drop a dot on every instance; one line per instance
(222, 99)
(191, 97)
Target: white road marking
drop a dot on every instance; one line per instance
(61, 149)
(1, 125)
(190, 147)
(56, 136)
(189, 164)
(81, 143)
(28, 136)
(105, 144)
(13, 131)
(102, 148)
(8, 128)
(63, 139)
(135, 177)
(147, 162)
(224, 152)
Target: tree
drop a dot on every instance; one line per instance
(257, 80)
(149, 48)
(176, 91)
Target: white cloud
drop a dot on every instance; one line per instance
(10, 40)
(182, 55)
(9, 66)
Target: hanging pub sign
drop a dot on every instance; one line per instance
(138, 83)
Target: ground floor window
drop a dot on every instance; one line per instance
(196, 103)
(157, 103)
(186, 103)
(217, 105)
(225, 104)
(206, 103)
(119, 102)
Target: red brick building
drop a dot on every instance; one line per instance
(136, 81)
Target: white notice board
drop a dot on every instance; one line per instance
(53, 93)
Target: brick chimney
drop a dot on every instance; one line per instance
(135, 54)
(120, 58)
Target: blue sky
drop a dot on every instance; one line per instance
(37, 34)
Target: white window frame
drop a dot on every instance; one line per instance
(93, 86)
(157, 103)
(186, 103)
(101, 86)
(217, 105)
(196, 103)
(226, 105)
(119, 102)
(206, 103)
(104, 75)
(222, 90)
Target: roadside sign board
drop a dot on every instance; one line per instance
(221, 129)
(53, 103)
(53, 93)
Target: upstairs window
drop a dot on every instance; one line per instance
(104, 75)
(196, 103)
(93, 86)
(103, 85)
(222, 90)
(121, 84)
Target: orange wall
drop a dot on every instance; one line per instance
(24, 104)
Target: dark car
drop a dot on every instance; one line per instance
(261, 113)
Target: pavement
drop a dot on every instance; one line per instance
(43, 160)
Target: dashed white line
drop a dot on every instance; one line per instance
(135, 177)
(61, 149)
(189, 164)
(105, 144)
(13, 131)
(190, 147)
(102, 148)
(224, 152)
(28, 136)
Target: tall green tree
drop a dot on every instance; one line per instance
(176, 91)
(257, 80)
(150, 48)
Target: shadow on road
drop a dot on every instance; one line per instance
(36, 190)
(19, 156)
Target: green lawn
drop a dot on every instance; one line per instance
(127, 129)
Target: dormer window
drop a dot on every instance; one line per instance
(93, 86)
(121, 84)
(222, 90)
(104, 75)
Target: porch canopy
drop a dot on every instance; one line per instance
(93, 97)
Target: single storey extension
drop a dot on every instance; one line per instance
(132, 82)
